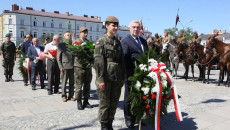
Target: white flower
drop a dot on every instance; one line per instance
(153, 65)
(152, 75)
(154, 90)
(146, 80)
(163, 76)
(143, 67)
(138, 85)
(83, 43)
(152, 61)
(35, 61)
(145, 90)
(164, 82)
(162, 67)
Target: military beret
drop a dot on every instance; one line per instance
(8, 35)
(112, 19)
(82, 29)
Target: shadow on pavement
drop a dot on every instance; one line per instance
(213, 100)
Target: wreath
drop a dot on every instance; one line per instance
(151, 89)
(83, 51)
(23, 67)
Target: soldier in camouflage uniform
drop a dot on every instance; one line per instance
(181, 39)
(110, 72)
(8, 49)
(83, 76)
(166, 38)
(157, 40)
(196, 38)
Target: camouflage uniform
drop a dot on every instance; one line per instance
(166, 39)
(181, 40)
(197, 40)
(110, 69)
(157, 41)
(83, 78)
(8, 50)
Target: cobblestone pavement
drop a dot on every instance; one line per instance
(203, 106)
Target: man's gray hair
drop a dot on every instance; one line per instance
(56, 36)
(134, 21)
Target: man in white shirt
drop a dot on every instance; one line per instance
(53, 70)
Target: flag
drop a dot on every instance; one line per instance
(142, 29)
(177, 18)
(73, 39)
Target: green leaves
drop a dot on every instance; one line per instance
(84, 53)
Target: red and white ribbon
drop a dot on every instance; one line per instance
(157, 70)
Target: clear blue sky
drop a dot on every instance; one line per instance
(157, 15)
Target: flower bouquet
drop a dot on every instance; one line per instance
(24, 67)
(53, 52)
(151, 90)
(40, 56)
(83, 51)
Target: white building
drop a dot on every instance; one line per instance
(19, 22)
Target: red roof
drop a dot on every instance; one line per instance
(54, 15)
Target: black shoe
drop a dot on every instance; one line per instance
(33, 88)
(57, 92)
(110, 125)
(42, 87)
(86, 104)
(104, 126)
(129, 123)
(49, 93)
(79, 104)
(10, 79)
(6, 79)
(25, 84)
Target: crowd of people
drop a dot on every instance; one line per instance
(113, 63)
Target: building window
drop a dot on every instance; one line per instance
(84, 24)
(97, 28)
(97, 37)
(77, 36)
(69, 26)
(91, 38)
(10, 21)
(44, 34)
(22, 34)
(60, 25)
(35, 34)
(35, 23)
(91, 29)
(44, 24)
(52, 35)
(21, 22)
(52, 25)
(78, 27)
(11, 33)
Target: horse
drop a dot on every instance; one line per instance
(188, 60)
(173, 63)
(203, 59)
(223, 52)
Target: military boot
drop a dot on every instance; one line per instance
(104, 126)
(86, 104)
(10, 78)
(110, 125)
(79, 104)
(6, 79)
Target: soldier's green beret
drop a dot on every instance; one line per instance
(112, 19)
(82, 29)
(8, 35)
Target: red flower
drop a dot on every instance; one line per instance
(166, 98)
(78, 43)
(53, 53)
(147, 107)
(144, 98)
(23, 68)
(154, 96)
(147, 112)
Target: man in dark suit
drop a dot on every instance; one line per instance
(36, 63)
(24, 50)
(132, 46)
(65, 62)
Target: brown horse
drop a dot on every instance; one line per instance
(203, 59)
(223, 51)
(188, 60)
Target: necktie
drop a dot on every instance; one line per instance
(139, 43)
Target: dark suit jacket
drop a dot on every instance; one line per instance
(32, 54)
(64, 59)
(25, 46)
(131, 51)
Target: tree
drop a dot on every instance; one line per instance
(43, 37)
(188, 33)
